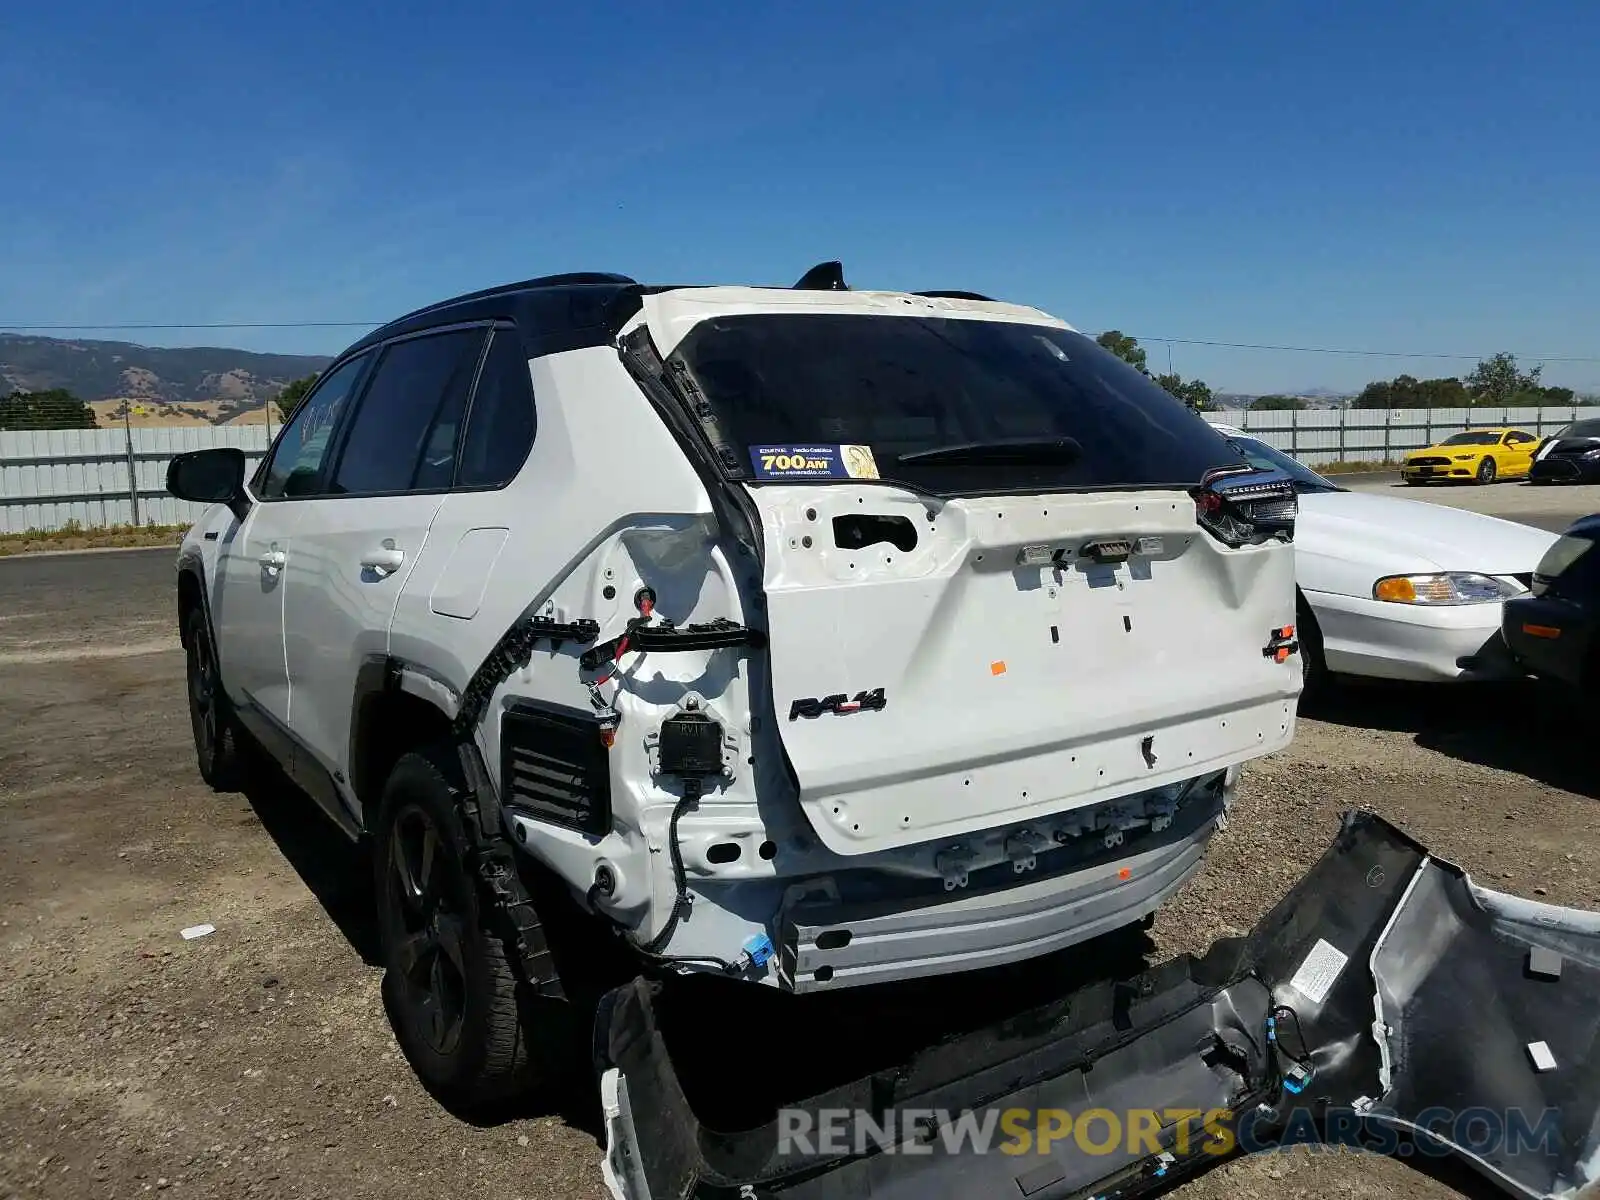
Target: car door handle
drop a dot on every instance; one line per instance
(274, 560)
(385, 560)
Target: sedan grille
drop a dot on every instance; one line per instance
(1557, 468)
(1428, 461)
(1574, 446)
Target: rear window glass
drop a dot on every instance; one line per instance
(908, 385)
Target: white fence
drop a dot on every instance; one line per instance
(93, 477)
(1320, 435)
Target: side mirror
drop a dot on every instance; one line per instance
(213, 476)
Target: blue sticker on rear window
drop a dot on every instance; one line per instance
(813, 462)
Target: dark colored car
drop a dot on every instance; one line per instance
(1554, 631)
(1571, 456)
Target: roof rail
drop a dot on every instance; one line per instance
(954, 295)
(569, 279)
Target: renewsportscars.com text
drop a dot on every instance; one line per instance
(1148, 1131)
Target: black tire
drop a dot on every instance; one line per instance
(218, 740)
(1313, 667)
(1486, 471)
(449, 986)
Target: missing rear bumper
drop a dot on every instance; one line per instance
(832, 945)
(1404, 1006)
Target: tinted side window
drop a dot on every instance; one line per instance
(500, 424)
(420, 385)
(1516, 438)
(295, 468)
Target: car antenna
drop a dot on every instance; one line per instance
(824, 277)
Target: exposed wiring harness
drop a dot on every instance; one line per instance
(692, 791)
(680, 904)
(1303, 1068)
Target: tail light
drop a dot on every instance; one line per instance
(1247, 507)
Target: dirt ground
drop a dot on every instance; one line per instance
(68, 541)
(256, 1061)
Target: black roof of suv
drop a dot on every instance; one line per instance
(574, 310)
(554, 312)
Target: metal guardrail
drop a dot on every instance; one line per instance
(103, 477)
(1381, 435)
(51, 478)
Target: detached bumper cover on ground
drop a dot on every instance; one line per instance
(1423, 1008)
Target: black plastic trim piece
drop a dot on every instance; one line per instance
(377, 675)
(554, 768)
(511, 653)
(190, 563)
(675, 639)
(300, 763)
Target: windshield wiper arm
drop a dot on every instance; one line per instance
(1020, 450)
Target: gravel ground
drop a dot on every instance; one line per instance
(256, 1061)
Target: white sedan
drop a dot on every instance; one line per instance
(1399, 589)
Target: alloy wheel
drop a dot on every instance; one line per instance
(430, 941)
(203, 692)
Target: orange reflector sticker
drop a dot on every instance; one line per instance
(997, 668)
(1541, 631)
(608, 737)
(1124, 874)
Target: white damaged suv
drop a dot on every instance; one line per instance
(813, 637)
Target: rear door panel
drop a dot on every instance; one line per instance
(1010, 691)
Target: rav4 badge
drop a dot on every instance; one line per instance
(839, 704)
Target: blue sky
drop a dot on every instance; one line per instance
(1413, 177)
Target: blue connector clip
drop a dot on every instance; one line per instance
(758, 950)
(1298, 1077)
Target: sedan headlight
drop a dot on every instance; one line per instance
(1465, 457)
(1449, 587)
(1562, 554)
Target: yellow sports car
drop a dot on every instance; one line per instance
(1481, 455)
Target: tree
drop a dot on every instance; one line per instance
(1407, 391)
(1195, 393)
(53, 409)
(291, 397)
(1124, 347)
(1277, 403)
(1539, 396)
(1496, 380)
